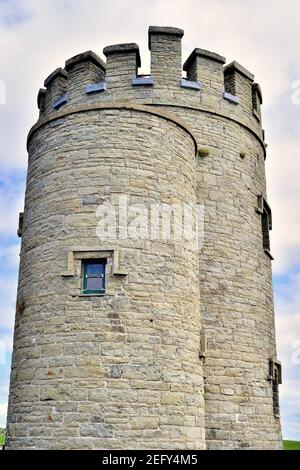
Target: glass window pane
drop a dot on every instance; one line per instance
(94, 275)
(94, 268)
(94, 283)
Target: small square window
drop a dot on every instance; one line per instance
(94, 276)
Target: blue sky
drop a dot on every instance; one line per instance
(37, 36)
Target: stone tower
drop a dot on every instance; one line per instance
(148, 341)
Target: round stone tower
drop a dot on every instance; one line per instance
(140, 324)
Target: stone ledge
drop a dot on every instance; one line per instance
(95, 87)
(125, 48)
(191, 84)
(231, 98)
(60, 102)
(142, 81)
(92, 295)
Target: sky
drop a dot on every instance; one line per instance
(37, 36)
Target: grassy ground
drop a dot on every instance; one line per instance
(291, 445)
(2, 437)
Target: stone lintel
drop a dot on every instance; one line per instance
(163, 31)
(96, 253)
(125, 48)
(203, 53)
(236, 67)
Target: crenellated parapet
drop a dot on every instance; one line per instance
(165, 46)
(65, 85)
(83, 69)
(122, 63)
(207, 68)
(210, 85)
(56, 86)
(238, 81)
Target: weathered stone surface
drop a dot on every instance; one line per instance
(123, 370)
(96, 430)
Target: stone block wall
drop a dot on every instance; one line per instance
(123, 370)
(120, 370)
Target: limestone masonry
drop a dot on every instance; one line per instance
(145, 343)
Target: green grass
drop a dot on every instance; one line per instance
(291, 445)
(2, 437)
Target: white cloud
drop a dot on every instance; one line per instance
(8, 292)
(9, 256)
(3, 408)
(290, 406)
(283, 171)
(3, 411)
(11, 201)
(3, 392)
(287, 301)
(6, 341)
(288, 341)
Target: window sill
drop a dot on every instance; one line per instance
(86, 296)
(92, 295)
(60, 102)
(142, 80)
(191, 84)
(231, 98)
(95, 88)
